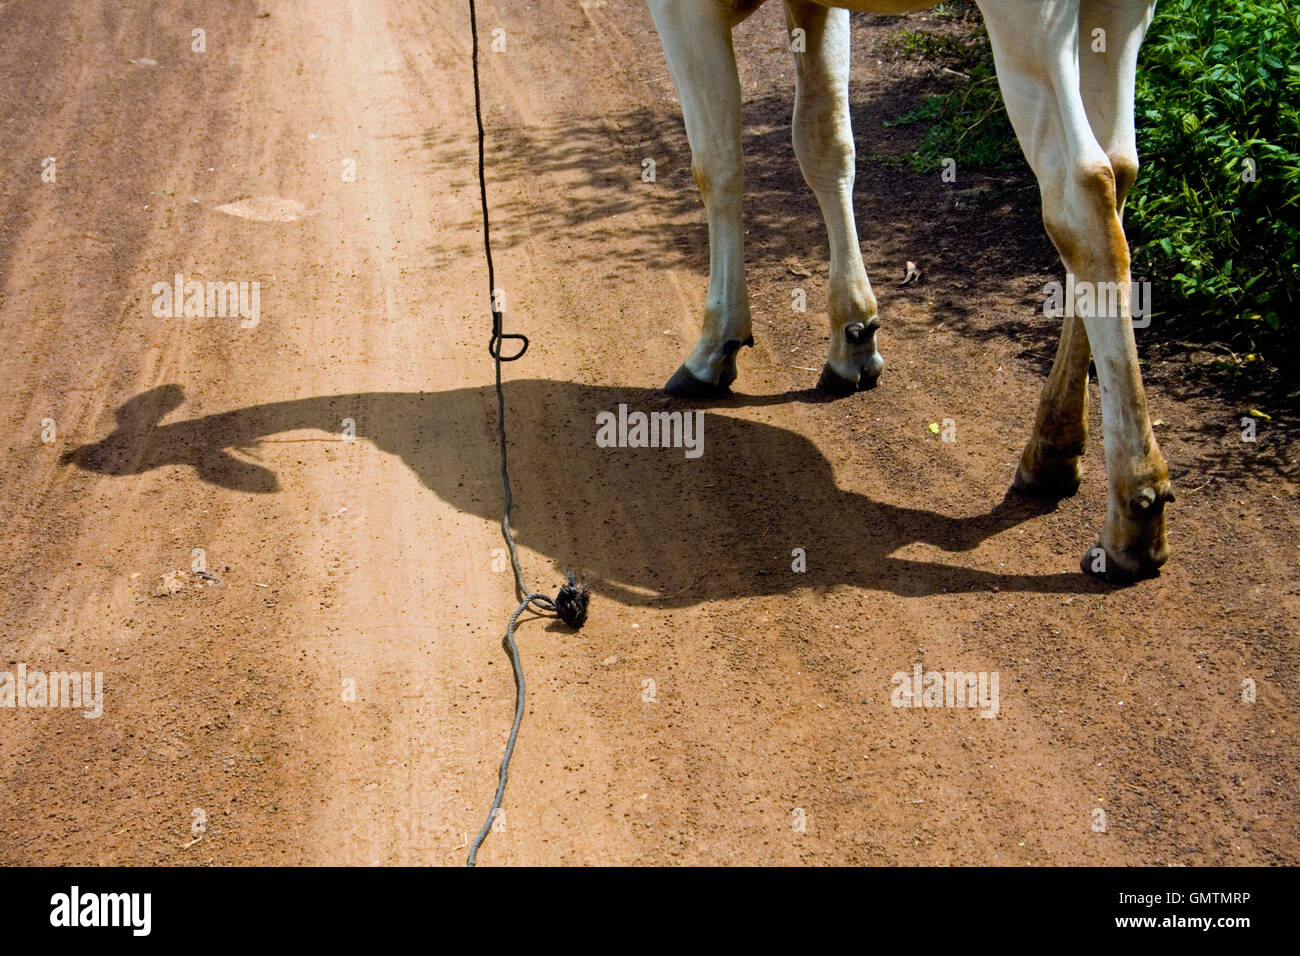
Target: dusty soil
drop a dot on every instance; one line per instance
(369, 564)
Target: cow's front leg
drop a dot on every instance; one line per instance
(696, 36)
(823, 144)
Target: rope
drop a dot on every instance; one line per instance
(570, 604)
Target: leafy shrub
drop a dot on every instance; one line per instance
(968, 124)
(1216, 110)
(1215, 213)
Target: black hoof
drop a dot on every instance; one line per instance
(684, 384)
(835, 383)
(1053, 484)
(1097, 564)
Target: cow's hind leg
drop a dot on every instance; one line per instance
(1107, 75)
(1050, 464)
(823, 144)
(696, 36)
(1036, 48)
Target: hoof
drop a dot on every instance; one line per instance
(1061, 480)
(684, 384)
(1049, 470)
(1098, 564)
(836, 384)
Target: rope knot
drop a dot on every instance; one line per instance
(571, 602)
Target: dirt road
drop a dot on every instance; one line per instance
(334, 690)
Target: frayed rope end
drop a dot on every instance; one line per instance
(571, 602)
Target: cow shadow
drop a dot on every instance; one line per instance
(646, 526)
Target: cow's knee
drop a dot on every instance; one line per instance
(719, 174)
(1124, 164)
(1074, 197)
(1080, 216)
(824, 149)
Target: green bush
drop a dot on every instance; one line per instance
(1216, 97)
(969, 124)
(1216, 107)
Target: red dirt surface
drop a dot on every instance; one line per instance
(717, 698)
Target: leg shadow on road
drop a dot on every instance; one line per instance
(647, 526)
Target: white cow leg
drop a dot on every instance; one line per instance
(1035, 45)
(823, 143)
(1050, 465)
(696, 37)
(1107, 74)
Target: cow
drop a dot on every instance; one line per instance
(1072, 111)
